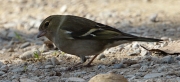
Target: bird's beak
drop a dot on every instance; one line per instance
(41, 33)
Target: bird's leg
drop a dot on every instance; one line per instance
(89, 64)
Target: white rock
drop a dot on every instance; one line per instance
(63, 8)
(135, 45)
(26, 55)
(153, 17)
(30, 54)
(101, 56)
(143, 52)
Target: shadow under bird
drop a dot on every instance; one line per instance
(83, 37)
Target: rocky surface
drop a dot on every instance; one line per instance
(25, 58)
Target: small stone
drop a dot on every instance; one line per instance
(165, 38)
(49, 66)
(101, 67)
(162, 68)
(154, 75)
(167, 59)
(32, 67)
(54, 61)
(44, 48)
(18, 69)
(143, 69)
(53, 79)
(153, 18)
(75, 79)
(135, 66)
(135, 45)
(26, 55)
(117, 66)
(1, 73)
(109, 77)
(63, 8)
(101, 56)
(143, 52)
(25, 45)
(26, 80)
(4, 68)
(15, 76)
(79, 73)
(30, 54)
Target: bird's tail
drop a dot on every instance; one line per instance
(129, 37)
(142, 39)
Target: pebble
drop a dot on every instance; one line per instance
(78, 73)
(144, 52)
(53, 79)
(162, 68)
(26, 44)
(63, 8)
(101, 56)
(153, 17)
(154, 75)
(135, 45)
(4, 68)
(26, 80)
(135, 66)
(1, 73)
(109, 77)
(143, 68)
(168, 59)
(15, 76)
(30, 54)
(75, 79)
(118, 66)
(55, 61)
(26, 55)
(18, 70)
(49, 66)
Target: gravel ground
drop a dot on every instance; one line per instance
(25, 58)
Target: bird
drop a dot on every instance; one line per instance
(83, 37)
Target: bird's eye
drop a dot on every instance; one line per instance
(46, 24)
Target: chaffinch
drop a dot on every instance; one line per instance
(83, 37)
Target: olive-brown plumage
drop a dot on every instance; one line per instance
(83, 37)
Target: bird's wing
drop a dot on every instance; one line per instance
(81, 28)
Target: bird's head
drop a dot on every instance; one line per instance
(48, 26)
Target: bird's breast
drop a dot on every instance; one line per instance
(81, 47)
